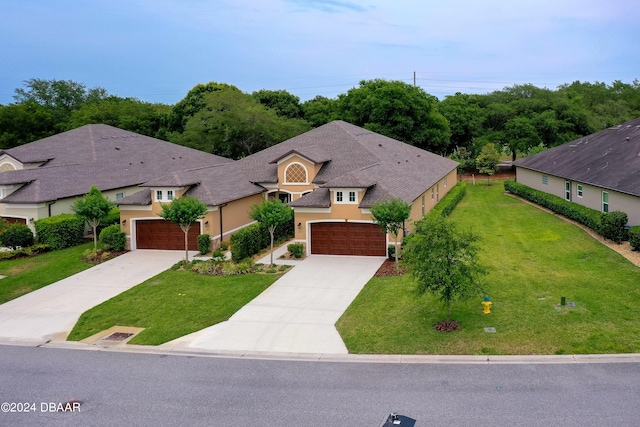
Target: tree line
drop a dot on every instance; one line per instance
(221, 119)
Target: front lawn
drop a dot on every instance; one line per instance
(173, 304)
(25, 275)
(534, 259)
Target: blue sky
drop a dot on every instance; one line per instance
(156, 50)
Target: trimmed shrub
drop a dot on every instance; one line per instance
(60, 231)
(250, 240)
(634, 237)
(448, 203)
(112, 237)
(18, 235)
(585, 216)
(296, 249)
(204, 244)
(613, 226)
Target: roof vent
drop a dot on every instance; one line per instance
(117, 148)
(627, 139)
(379, 145)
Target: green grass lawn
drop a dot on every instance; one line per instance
(534, 258)
(25, 275)
(173, 304)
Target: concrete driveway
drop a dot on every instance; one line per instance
(52, 311)
(294, 315)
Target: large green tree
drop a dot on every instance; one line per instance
(443, 261)
(184, 212)
(23, 123)
(233, 124)
(125, 113)
(398, 110)
(391, 216)
(272, 214)
(320, 110)
(60, 97)
(285, 104)
(92, 209)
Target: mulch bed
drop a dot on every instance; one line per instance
(447, 326)
(388, 268)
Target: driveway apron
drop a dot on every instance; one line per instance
(52, 311)
(296, 314)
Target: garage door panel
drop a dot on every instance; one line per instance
(345, 238)
(161, 234)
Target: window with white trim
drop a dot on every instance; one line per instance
(159, 195)
(545, 180)
(579, 190)
(346, 196)
(169, 194)
(119, 196)
(605, 201)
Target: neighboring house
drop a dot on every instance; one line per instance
(223, 188)
(332, 175)
(44, 178)
(600, 171)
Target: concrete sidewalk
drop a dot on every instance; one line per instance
(296, 314)
(51, 312)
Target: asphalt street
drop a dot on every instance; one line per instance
(111, 388)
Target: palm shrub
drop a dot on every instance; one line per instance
(17, 235)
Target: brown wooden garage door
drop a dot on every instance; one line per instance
(348, 238)
(161, 234)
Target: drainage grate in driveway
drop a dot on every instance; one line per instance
(118, 336)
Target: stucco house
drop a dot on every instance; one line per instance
(600, 171)
(332, 175)
(44, 178)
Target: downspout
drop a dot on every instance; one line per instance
(49, 207)
(221, 229)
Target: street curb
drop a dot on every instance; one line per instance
(336, 358)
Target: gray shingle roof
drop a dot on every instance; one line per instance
(99, 155)
(319, 198)
(359, 158)
(212, 185)
(608, 159)
(140, 198)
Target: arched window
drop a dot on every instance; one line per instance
(295, 173)
(5, 167)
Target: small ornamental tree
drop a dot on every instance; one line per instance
(391, 215)
(271, 214)
(92, 209)
(184, 211)
(487, 161)
(444, 262)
